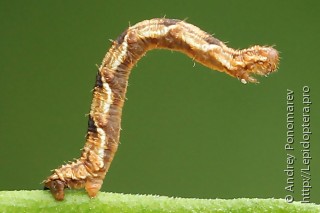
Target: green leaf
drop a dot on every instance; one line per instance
(78, 201)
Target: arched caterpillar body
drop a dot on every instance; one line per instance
(111, 85)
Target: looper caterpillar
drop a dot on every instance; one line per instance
(111, 84)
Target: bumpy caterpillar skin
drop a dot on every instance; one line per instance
(111, 85)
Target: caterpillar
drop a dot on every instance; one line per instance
(110, 88)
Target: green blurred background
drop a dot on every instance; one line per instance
(187, 131)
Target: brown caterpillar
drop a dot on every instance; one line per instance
(111, 85)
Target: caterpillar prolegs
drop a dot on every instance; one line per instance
(111, 85)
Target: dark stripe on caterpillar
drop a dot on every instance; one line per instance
(120, 39)
(98, 80)
(91, 125)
